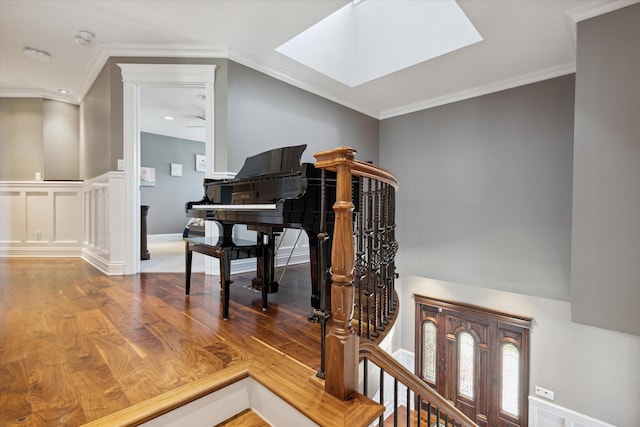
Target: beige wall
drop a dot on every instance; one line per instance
(61, 141)
(38, 135)
(95, 129)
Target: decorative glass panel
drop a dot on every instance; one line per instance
(429, 332)
(510, 378)
(466, 347)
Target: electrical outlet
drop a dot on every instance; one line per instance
(547, 394)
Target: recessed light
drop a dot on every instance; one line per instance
(83, 38)
(37, 54)
(63, 91)
(168, 118)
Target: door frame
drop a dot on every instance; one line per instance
(134, 77)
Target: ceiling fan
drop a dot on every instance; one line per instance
(198, 126)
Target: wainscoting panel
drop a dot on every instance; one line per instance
(40, 219)
(102, 207)
(12, 217)
(543, 413)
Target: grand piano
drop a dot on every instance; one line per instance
(271, 192)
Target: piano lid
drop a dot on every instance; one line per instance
(279, 160)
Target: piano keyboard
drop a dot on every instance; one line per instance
(248, 207)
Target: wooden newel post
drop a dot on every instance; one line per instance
(341, 376)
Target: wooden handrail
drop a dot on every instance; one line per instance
(331, 158)
(389, 365)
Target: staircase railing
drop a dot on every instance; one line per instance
(366, 263)
(341, 354)
(430, 408)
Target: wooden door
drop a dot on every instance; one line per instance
(471, 356)
(464, 376)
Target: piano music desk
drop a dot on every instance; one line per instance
(225, 252)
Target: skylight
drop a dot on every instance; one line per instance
(369, 39)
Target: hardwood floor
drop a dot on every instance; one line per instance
(76, 345)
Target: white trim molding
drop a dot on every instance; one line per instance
(134, 77)
(543, 413)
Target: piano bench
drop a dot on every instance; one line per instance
(239, 249)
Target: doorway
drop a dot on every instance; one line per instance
(135, 77)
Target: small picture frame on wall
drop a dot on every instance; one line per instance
(176, 169)
(147, 177)
(201, 163)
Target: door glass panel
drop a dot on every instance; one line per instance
(510, 374)
(429, 335)
(466, 348)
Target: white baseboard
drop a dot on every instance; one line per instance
(160, 238)
(102, 263)
(41, 252)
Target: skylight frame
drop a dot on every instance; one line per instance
(363, 41)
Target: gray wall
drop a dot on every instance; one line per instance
(167, 199)
(38, 135)
(605, 274)
(485, 189)
(265, 113)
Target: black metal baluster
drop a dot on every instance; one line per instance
(408, 407)
(375, 262)
(381, 395)
(360, 264)
(365, 376)
(322, 239)
(370, 278)
(395, 401)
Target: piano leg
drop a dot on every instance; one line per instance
(319, 257)
(188, 258)
(225, 282)
(265, 264)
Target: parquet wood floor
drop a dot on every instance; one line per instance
(76, 345)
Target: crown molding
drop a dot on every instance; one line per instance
(522, 80)
(591, 10)
(37, 93)
(97, 64)
(278, 73)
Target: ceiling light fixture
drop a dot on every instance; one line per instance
(84, 38)
(168, 118)
(37, 54)
(63, 91)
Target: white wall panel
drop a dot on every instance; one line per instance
(12, 223)
(102, 207)
(67, 217)
(38, 217)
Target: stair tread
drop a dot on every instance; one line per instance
(246, 418)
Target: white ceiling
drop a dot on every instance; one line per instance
(523, 41)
